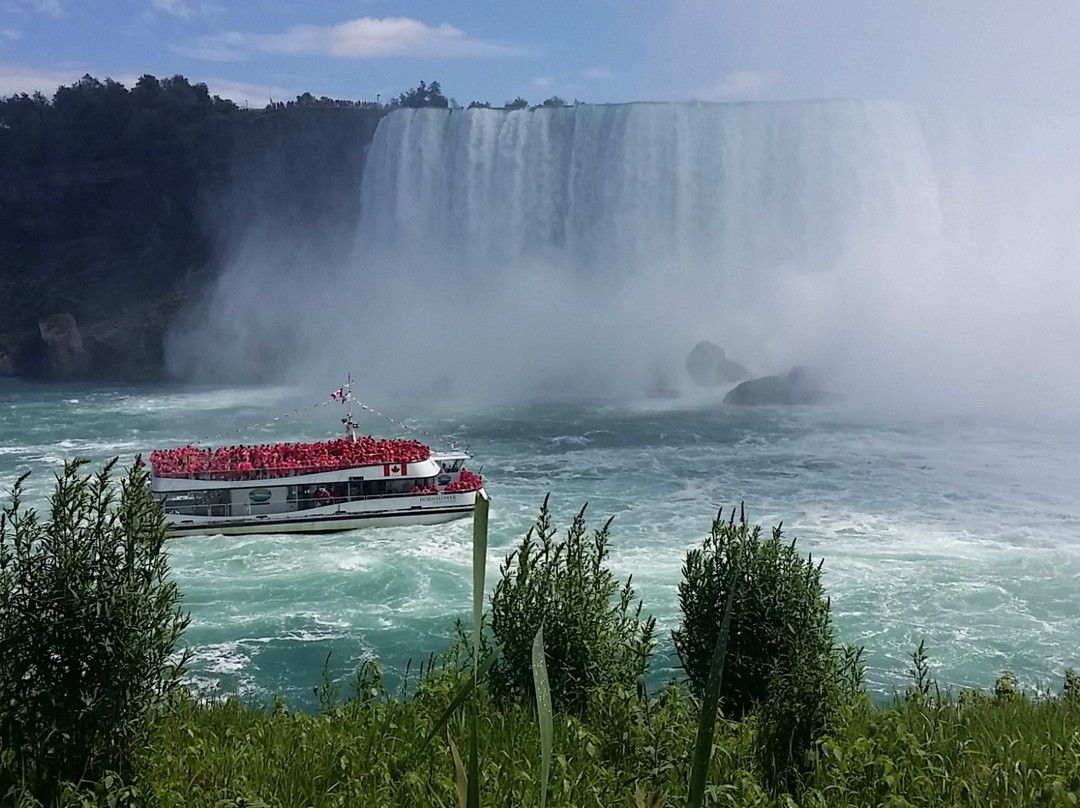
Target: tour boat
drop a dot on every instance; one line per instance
(317, 487)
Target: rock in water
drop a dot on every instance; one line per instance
(709, 367)
(794, 387)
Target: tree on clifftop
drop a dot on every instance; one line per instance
(424, 95)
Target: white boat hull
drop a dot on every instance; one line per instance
(332, 518)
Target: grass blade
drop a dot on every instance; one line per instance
(462, 694)
(473, 795)
(460, 780)
(480, 542)
(699, 774)
(543, 712)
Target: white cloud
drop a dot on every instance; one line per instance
(51, 8)
(186, 10)
(743, 85)
(598, 74)
(10, 33)
(364, 38)
(254, 95)
(541, 82)
(178, 8)
(29, 79)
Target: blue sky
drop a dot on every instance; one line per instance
(592, 50)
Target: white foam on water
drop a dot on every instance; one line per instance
(959, 533)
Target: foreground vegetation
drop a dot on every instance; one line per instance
(91, 714)
(978, 750)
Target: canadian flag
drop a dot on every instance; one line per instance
(390, 469)
(338, 395)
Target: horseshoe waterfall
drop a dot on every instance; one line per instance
(896, 250)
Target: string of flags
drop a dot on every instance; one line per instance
(341, 395)
(448, 441)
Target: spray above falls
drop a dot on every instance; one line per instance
(904, 252)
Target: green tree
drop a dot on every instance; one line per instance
(424, 95)
(594, 637)
(89, 625)
(517, 103)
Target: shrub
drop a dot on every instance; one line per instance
(593, 637)
(1071, 691)
(89, 623)
(780, 654)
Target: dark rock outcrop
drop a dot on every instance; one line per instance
(126, 348)
(708, 366)
(794, 387)
(63, 355)
(131, 347)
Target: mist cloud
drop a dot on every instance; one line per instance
(902, 50)
(914, 257)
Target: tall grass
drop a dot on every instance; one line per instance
(971, 750)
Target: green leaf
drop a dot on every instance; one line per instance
(707, 720)
(480, 542)
(460, 778)
(462, 694)
(473, 796)
(543, 712)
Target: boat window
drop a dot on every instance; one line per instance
(214, 502)
(374, 488)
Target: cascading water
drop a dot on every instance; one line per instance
(889, 246)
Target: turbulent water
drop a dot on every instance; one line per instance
(961, 532)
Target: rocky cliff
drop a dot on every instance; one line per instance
(98, 257)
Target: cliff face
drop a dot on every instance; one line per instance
(98, 259)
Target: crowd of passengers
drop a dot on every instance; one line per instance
(466, 482)
(284, 459)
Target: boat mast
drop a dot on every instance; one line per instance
(350, 424)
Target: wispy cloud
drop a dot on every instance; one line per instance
(178, 8)
(15, 78)
(598, 74)
(743, 85)
(542, 82)
(10, 33)
(364, 38)
(51, 8)
(186, 10)
(249, 93)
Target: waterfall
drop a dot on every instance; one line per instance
(888, 245)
